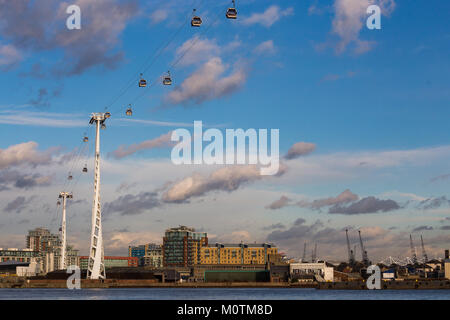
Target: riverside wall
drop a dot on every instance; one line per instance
(21, 282)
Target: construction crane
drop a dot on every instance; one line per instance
(304, 253)
(365, 258)
(351, 257)
(413, 250)
(424, 254)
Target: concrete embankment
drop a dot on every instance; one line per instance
(21, 282)
(387, 285)
(112, 283)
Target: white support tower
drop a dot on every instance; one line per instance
(63, 259)
(96, 267)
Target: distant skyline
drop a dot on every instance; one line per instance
(362, 115)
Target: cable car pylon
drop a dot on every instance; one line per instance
(63, 259)
(96, 267)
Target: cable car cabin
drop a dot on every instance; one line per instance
(85, 139)
(58, 203)
(85, 169)
(107, 115)
(70, 177)
(231, 13)
(129, 112)
(167, 81)
(196, 21)
(103, 126)
(142, 83)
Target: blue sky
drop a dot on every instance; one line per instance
(374, 103)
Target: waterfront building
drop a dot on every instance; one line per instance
(237, 276)
(320, 270)
(137, 251)
(111, 262)
(182, 246)
(48, 246)
(148, 254)
(239, 254)
(154, 258)
(22, 259)
(31, 270)
(19, 255)
(41, 240)
(72, 256)
(199, 270)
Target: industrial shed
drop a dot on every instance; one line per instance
(237, 276)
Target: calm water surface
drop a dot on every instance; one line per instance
(221, 294)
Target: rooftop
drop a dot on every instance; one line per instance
(238, 245)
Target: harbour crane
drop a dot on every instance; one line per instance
(351, 257)
(424, 254)
(304, 253)
(365, 258)
(413, 250)
(315, 254)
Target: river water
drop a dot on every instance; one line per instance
(221, 294)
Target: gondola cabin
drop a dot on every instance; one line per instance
(167, 81)
(142, 83)
(231, 13)
(196, 21)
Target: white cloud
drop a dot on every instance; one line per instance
(118, 242)
(196, 50)
(102, 24)
(266, 47)
(228, 178)
(236, 237)
(407, 195)
(344, 197)
(161, 141)
(278, 204)
(350, 18)
(208, 83)
(42, 119)
(9, 56)
(300, 149)
(344, 166)
(24, 154)
(268, 17)
(158, 16)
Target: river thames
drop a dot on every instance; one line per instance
(220, 294)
